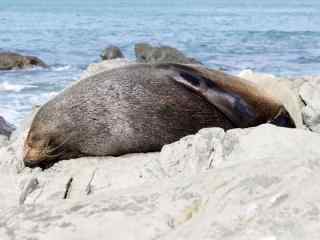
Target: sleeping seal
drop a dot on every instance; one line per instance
(141, 107)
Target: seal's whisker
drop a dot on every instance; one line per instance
(48, 150)
(53, 155)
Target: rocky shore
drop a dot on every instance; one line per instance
(256, 183)
(5, 128)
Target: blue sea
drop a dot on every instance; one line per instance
(270, 36)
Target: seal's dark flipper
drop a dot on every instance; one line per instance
(229, 103)
(283, 119)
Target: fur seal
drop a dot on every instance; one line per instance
(140, 108)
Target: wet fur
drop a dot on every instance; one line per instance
(141, 107)
(136, 108)
(243, 102)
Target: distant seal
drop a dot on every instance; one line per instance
(141, 107)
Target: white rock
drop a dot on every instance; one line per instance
(106, 65)
(3, 141)
(193, 154)
(310, 93)
(264, 189)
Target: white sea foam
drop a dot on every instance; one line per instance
(9, 114)
(41, 98)
(248, 73)
(15, 110)
(8, 87)
(61, 68)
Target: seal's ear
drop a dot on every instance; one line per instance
(236, 109)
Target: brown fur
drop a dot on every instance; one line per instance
(136, 108)
(263, 103)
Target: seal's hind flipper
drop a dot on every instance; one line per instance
(228, 102)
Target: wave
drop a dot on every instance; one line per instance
(14, 111)
(249, 73)
(54, 68)
(59, 68)
(9, 114)
(308, 59)
(8, 87)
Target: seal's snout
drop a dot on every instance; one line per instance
(32, 154)
(31, 157)
(30, 163)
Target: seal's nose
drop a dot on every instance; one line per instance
(31, 157)
(30, 163)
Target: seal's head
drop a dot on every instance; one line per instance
(39, 147)
(35, 149)
(45, 144)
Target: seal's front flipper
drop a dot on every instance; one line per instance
(228, 102)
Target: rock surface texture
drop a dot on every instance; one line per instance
(9, 61)
(310, 94)
(146, 53)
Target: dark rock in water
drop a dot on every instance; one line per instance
(10, 61)
(5, 127)
(145, 53)
(111, 52)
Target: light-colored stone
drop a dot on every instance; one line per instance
(193, 154)
(3, 140)
(310, 94)
(106, 65)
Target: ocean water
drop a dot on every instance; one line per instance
(277, 37)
